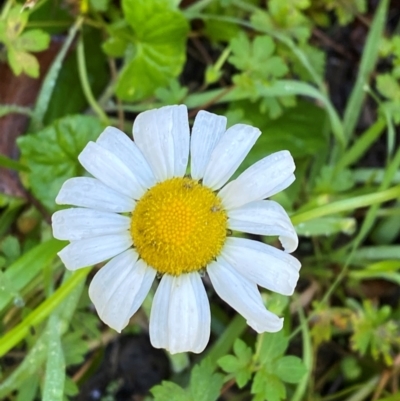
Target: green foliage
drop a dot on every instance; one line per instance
(287, 18)
(239, 364)
(156, 51)
(20, 43)
(259, 67)
(205, 385)
(258, 63)
(374, 330)
(270, 367)
(52, 154)
(345, 11)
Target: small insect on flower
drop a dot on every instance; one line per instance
(147, 217)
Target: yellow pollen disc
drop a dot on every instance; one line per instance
(179, 226)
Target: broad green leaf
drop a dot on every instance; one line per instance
(220, 30)
(299, 129)
(54, 378)
(21, 61)
(28, 266)
(28, 389)
(34, 40)
(16, 22)
(388, 86)
(328, 182)
(99, 5)
(267, 386)
(158, 53)
(290, 369)
(229, 363)
(239, 364)
(168, 391)
(271, 346)
(205, 385)
(290, 87)
(52, 154)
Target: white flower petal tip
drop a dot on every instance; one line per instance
(263, 179)
(263, 264)
(120, 287)
(229, 153)
(242, 295)
(92, 193)
(89, 251)
(180, 315)
(78, 223)
(163, 137)
(118, 143)
(265, 218)
(110, 170)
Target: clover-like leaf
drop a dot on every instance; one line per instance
(158, 52)
(52, 154)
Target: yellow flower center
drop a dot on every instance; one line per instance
(179, 226)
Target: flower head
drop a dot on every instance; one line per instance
(142, 211)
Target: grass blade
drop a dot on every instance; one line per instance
(367, 65)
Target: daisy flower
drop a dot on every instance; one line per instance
(143, 213)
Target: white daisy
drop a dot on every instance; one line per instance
(144, 214)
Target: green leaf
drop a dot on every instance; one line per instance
(16, 22)
(257, 57)
(326, 226)
(74, 348)
(388, 86)
(367, 66)
(53, 389)
(239, 364)
(63, 308)
(35, 40)
(268, 387)
(158, 53)
(298, 129)
(98, 75)
(99, 5)
(168, 391)
(28, 266)
(21, 61)
(271, 346)
(52, 154)
(290, 369)
(205, 385)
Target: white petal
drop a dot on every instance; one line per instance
(163, 137)
(263, 264)
(119, 288)
(243, 296)
(110, 170)
(92, 193)
(264, 218)
(263, 179)
(126, 150)
(180, 315)
(89, 251)
(77, 223)
(229, 153)
(207, 130)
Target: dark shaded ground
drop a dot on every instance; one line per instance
(130, 367)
